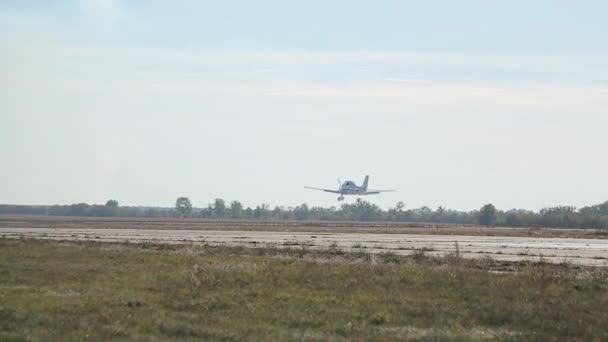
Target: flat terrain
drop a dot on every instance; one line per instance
(585, 247)
(53, 290)
(512, 248)
(24, 221)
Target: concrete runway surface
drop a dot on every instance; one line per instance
(557, 250)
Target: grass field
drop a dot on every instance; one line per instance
(100, 291)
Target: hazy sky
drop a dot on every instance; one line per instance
(453, 103)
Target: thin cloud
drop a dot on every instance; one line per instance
(589, 67)
(409, 80)
(106, 15)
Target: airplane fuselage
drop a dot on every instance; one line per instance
(351, 188)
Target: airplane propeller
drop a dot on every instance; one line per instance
(339, 183)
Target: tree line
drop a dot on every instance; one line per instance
(595, 216)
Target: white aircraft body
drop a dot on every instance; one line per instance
(350, 188)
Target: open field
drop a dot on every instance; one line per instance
(25, 221)
(51, 290)
(586, 247)
(512, 248)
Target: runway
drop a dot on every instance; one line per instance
(556, 250)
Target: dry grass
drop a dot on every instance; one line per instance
(71, 291)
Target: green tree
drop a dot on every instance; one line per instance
(277, 213)
(600, 209)
(301, 212)
(183, 206)
(79, 209)
(112, 203)
(110, 209)
(487, 215)
(261, 211)
(219, 208)
(360, 211)
(236, 210)
(399, 206)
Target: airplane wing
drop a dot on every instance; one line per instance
(326, 190)
(375, 192)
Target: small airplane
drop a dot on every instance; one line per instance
(350, 188)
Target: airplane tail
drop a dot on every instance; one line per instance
(364, 186)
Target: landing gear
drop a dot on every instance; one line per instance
(341, 198)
